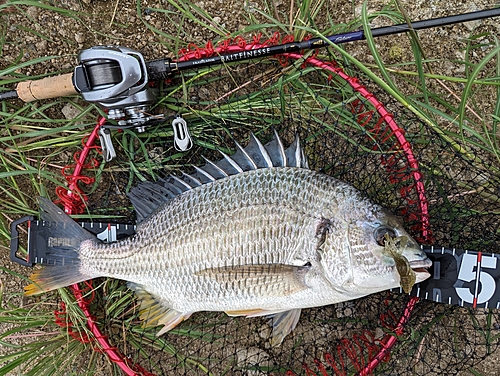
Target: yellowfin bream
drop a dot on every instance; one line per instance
(256, 233)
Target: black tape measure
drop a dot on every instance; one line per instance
(461, 277)
(458, 277)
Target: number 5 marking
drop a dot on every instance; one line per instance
(467, 274)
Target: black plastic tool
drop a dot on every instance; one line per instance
(38, 241)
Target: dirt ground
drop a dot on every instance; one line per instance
(33, 32)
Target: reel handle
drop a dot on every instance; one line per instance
(45, 88)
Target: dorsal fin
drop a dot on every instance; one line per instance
(214, 170)
(243, 159)
(258, 153)
(148, 196)
(229, 165)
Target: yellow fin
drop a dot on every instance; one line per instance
(154, 313)
(54, 277)
(37, 286)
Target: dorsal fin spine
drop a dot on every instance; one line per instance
(182, 182)
(281, 147)
(305, 162)
(197, 182)
(232, 162)
(263, 151)
(204, 173)
(298, 151)
(212, 164)
(243, 151)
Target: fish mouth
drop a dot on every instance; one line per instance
(420, 267)
(421, 264)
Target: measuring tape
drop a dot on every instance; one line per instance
(458, 277)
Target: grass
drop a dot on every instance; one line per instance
(36, 141)
(34, 337)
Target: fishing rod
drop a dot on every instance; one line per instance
(320, 42)
(98, 71)
(116, 78)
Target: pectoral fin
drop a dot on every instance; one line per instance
(154, 313)
(262, 280)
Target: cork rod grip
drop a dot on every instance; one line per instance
(50, 87)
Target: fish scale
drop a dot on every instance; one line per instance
(262, 235)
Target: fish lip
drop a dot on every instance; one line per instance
(418, 264)
(420, 267)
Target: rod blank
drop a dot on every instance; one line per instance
(8, 95)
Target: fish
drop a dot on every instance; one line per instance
(257, 233)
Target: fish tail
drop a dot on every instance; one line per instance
(65, 256)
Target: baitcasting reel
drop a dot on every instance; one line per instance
(117, 79)
(114, 77)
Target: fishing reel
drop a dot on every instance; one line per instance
(117, 79)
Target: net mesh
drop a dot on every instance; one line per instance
(344, 135)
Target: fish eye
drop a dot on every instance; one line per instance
(380, 232)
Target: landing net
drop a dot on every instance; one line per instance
(353, 131)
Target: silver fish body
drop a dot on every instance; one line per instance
(262, 241)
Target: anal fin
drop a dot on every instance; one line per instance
(154, 313)
(283, 323)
